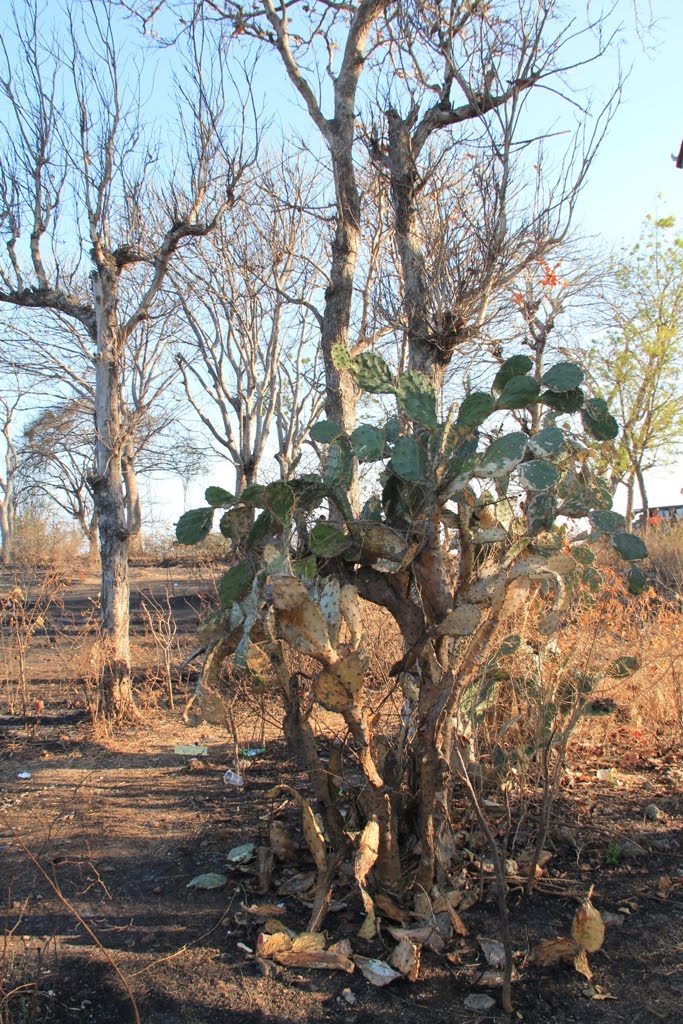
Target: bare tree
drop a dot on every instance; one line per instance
(56, 463)
(78, 174)
(11, 398)
(249, 362)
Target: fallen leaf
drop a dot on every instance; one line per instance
(406, 959)
(478, 1001)
(264, 910)
(550, 952)
(494, 952)
(284, 847)
(308, 941)
(268, 945)
(273, 925)
(211, 880)
(320, 960)
(377, 972)
(391, 909)
(581, 964)
(423, 935)
(343, 946)
(242, 854)
(588, 928)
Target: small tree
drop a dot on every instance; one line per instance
(638, 363)
(448, 559)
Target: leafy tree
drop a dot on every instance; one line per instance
(638, 363)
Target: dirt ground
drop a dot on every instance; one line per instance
(100, 836)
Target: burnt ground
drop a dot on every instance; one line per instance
(99, 842)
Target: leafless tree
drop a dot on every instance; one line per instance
(11, 396)
(79, 173)
(249, 360)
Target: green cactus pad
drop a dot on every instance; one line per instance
(598, 421)
(417, 397)
(368, 443)
(327, 541)
(236, 522)
(475, 409)
(235, 583)
(567, 401)
(194, 525)
(518, 393)
(629, 546)
(538, 475)
(217, 497)
(408, 459)
(515, 366)
(325, 431)
(372, 374)
(563, 377)
(501, 457)
(546, 442)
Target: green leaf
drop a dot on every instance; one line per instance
(368, 443)
(408, 459)
(568, 401)
(235, 583)
(372, 374)
(236, 522)
(194, 525)
(547, 441)
(211, 880)
(309, 490)
(624, 667)
(538, 475)
(501, 457)
(252, 495)
(637, 581)
(629, 546)
(597, 420)
(218, 498)
(541, 512)
(418, 398)
(475, 409)
(605, 521)
(339, 465)
(518, 393)
(515, 366)
(563, 377)
(279, 498)
(325, 431)
(327, 541)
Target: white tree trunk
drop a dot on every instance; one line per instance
(110, 501)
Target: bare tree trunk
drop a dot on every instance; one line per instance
(5, 533)
(630, 484)
(92, 534)
(132, 496)
(643, 492)
(110, 501)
